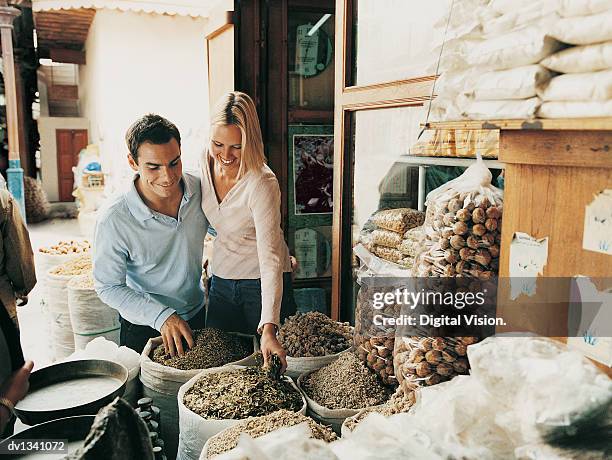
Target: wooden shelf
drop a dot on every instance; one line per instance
(311, 282)
(310, 116)
(582, 124)
(447, 161)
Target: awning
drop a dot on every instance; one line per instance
(193, 8)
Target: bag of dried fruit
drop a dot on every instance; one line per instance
(426, 361)
(463, 227)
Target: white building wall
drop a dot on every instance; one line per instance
(139, 63)
(48, 149)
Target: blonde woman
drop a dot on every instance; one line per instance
(250, 289)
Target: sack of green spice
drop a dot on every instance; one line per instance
(223, 398)
(162, 383)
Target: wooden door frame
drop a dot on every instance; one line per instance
(57, 156)
(349, 99)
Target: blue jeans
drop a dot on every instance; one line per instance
(235, 305)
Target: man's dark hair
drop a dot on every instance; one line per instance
(150, 128)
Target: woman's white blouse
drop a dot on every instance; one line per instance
(250, 243)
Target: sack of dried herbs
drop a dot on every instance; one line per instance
(162, 382)
(259, 426)
(313, 340)
(340, 389)
(219, 398)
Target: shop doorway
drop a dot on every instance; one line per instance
(69, 143)
(283, 57)
(297, 104)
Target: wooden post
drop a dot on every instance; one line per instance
(14, 172)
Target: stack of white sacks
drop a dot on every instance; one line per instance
(584, 88)
(500, 60)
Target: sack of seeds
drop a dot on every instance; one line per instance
(90, 317)
(162, 382)
(57, 316)
(313, 340)
(463, 227)
(57, 254)
(298, 366)
(294, 442)
(341, 389)
(401, 401)
(219, 398)
(426, 361)
(351, 422)
(56, 304)
(256, 427)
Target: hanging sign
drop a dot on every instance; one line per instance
(528, 256)
(597, 234)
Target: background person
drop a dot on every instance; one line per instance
(250, 289)
(14, 372)
(17, 273)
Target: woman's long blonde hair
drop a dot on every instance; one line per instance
(238, 109)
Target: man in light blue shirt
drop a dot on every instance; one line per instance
(149, 242)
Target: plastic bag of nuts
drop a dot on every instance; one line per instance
(398, 220)
(377, 354)
(425, 361)
(463, 227)
(374, 344)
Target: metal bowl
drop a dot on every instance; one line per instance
(72, 430)
(71, 388)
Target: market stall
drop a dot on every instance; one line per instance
(468, 166)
